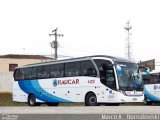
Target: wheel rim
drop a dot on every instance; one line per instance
(92, 100)
(32, 100)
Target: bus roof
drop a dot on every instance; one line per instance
(114, 59)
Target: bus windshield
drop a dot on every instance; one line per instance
(130, 78)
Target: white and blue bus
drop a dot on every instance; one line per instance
(93, 80)
(152, 87)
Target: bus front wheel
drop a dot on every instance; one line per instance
(32, 100)
(91, 100)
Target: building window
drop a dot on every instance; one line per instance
(12, 67)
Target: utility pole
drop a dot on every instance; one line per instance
(128, 51)
(54, 43)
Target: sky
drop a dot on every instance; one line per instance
(90, 27)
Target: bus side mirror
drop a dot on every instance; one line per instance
(119, 70)
(145, 70)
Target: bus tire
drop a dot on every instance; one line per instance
(52, 104)
(32, 100)
(91, 100)
(146, 102)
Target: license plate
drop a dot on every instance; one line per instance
(134, 99)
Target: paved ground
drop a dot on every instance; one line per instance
(81, 113)
(81, 110)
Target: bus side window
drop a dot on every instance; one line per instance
(34, 73)
(88, 68)
(46, 70)
(110, 79)
(18, 75)
(43, 72)
(72, 69)
(57, 70)
(107, 75)
(53, 71)
(158, 80)
(27, 73)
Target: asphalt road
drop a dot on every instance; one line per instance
(81, 110)
(81, 113)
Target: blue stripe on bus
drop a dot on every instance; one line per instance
(32, 86)
(150, 96)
